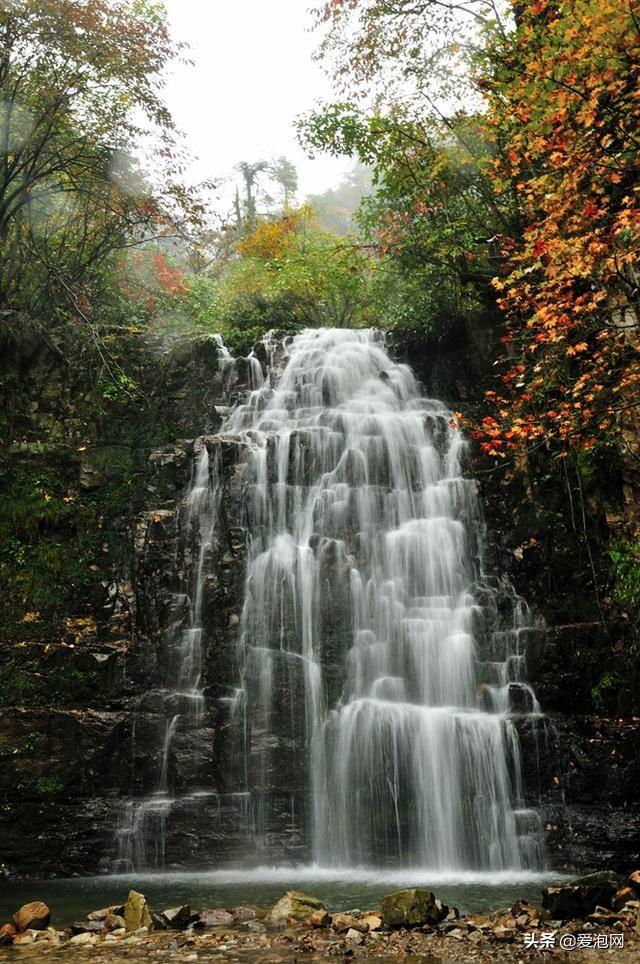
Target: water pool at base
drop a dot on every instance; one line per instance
(71, 899)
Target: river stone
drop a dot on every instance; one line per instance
(177, 918)
(87, 927)
(215, 918)
(242, 915)
(373, 920)
(85, 938)
(346, 922)
(136, 912)
(319, 918)
(410, 908)
(104, 912)
(114, 922)
(35, 916)
(294, 904)
(7, 933)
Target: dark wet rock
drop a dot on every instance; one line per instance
(600, 878)
(293, 905)
(581, 897)
(136, 911)
(176, 918)
(411, 908)
(33, 916)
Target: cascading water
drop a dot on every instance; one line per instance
(357, 499)
(142, 823)
(381, 670)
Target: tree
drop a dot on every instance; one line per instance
(433, 216)
(79, 90)
(284, 173)
(249, 172)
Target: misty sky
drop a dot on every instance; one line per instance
(253, 73)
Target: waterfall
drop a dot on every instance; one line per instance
(367, 604)
(381, 667)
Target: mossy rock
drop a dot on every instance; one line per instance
(136, 912)
(294, 905)
(409, 908)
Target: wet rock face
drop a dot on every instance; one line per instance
(584, 773)
(580, 898)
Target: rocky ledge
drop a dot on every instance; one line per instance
(597, 912)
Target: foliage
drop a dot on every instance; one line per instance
(48, 789)
(555, 93)
(285, 274)
(604, 693)
(433, 218)
(80, 88)
(625, 558)
(564, 103)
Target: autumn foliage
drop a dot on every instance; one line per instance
(564, 96)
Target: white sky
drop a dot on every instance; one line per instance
(252, 74)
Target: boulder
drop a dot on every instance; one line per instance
(411, 908)
(354, 936)
(215, 918)
(33, 916)
(293, 905)
(136, 912)
(177, 918)
(634, 880)
(7, 933)
(580, 898)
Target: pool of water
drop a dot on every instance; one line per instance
(71, 899)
